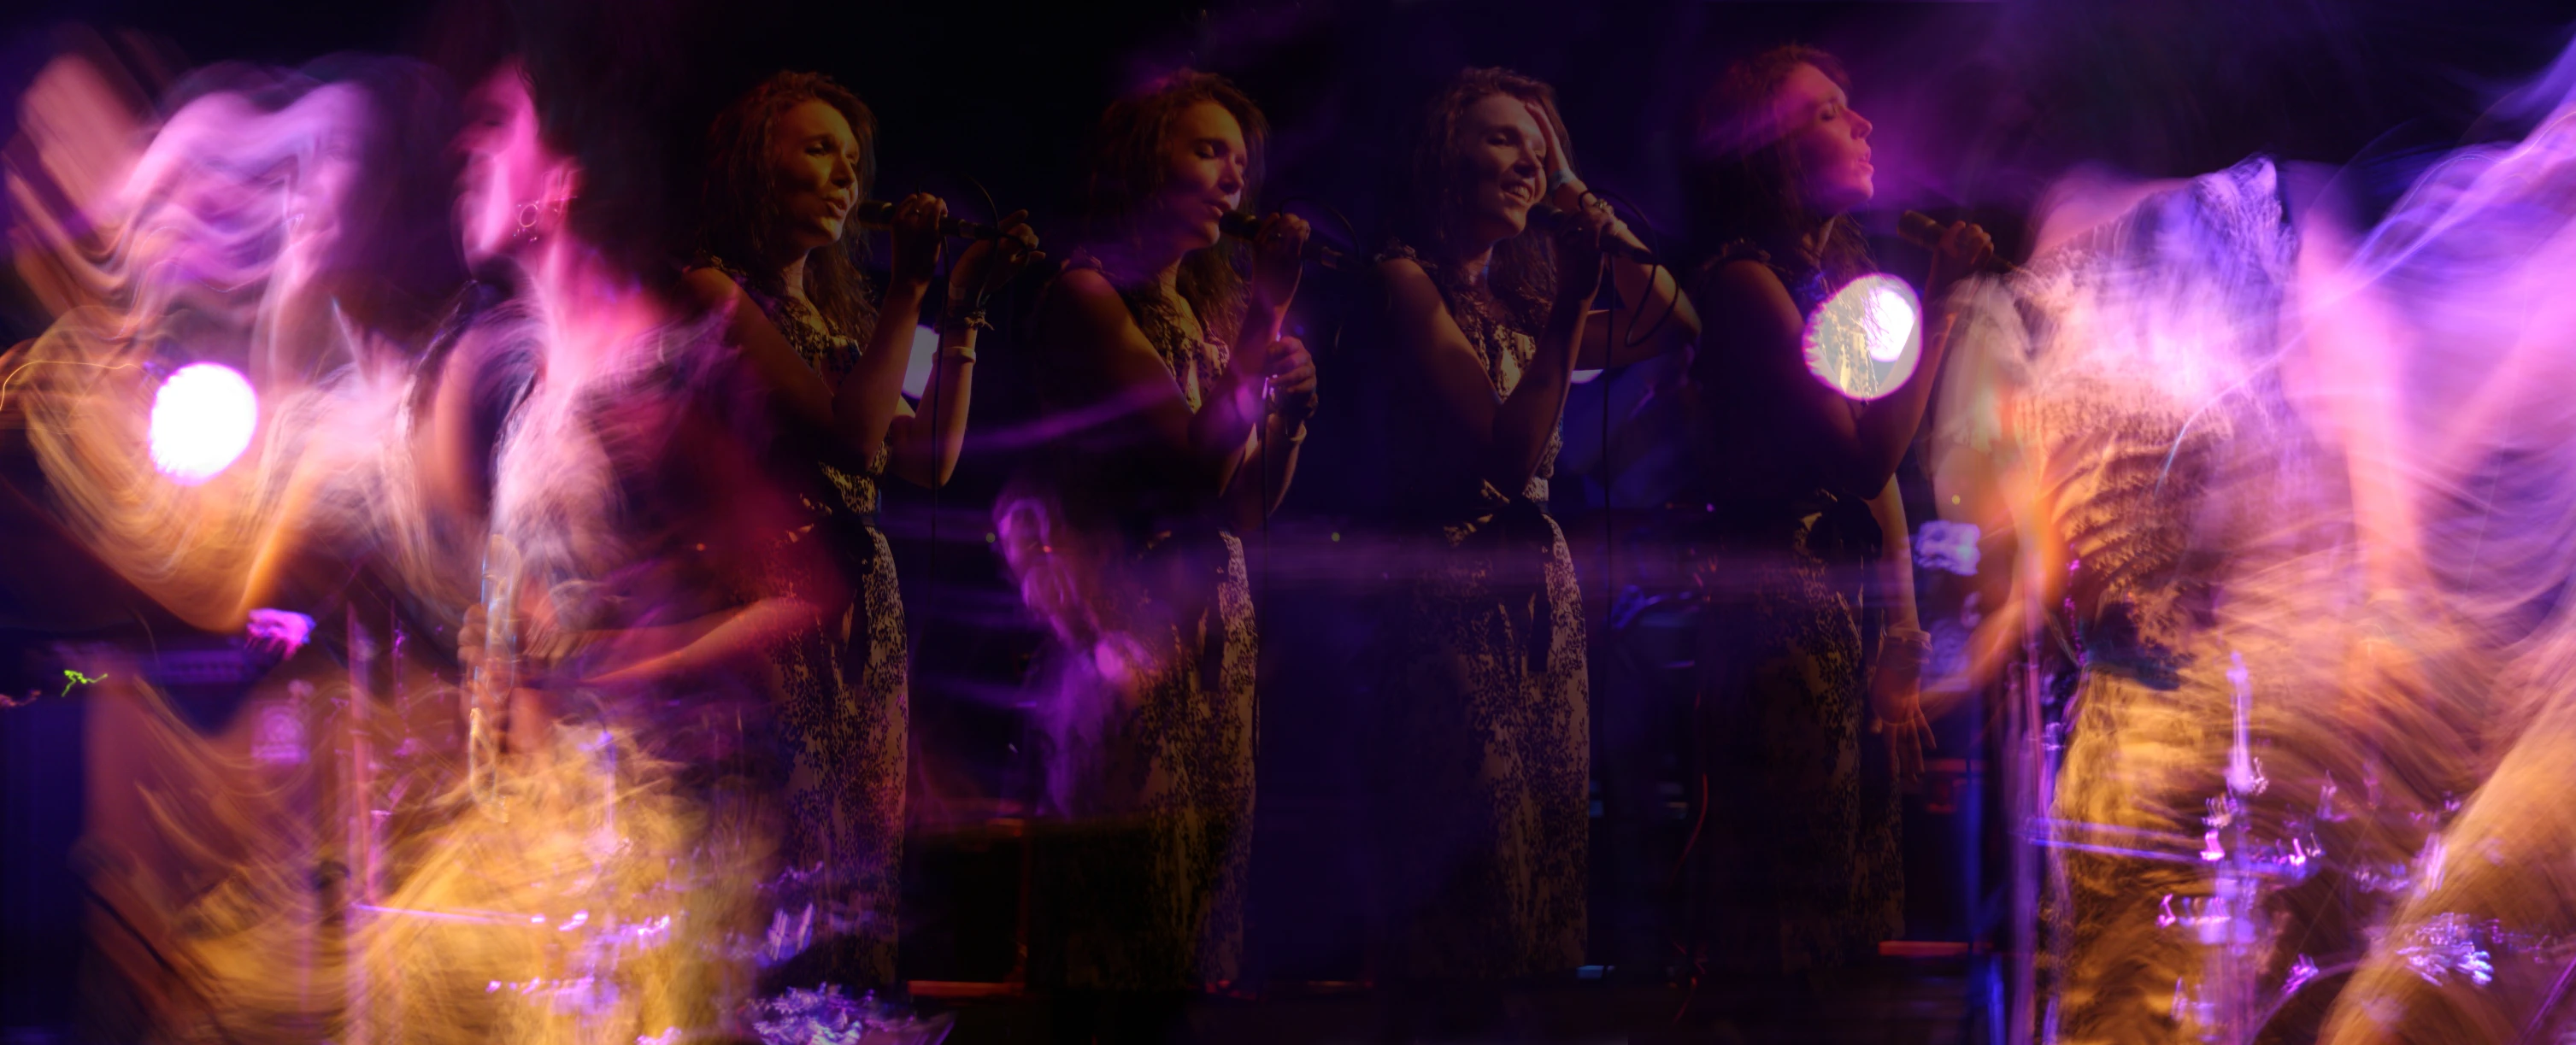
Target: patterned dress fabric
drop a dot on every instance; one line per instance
(1148, 731)
(1481, 711)
(1800, 865)
(843, 708)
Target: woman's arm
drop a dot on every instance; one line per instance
(1657, 317)
(803, 397)
(1273, 461)
(1756, 361)
(926, 448)
(870, 396)
(1505, 440)
(1111, 366)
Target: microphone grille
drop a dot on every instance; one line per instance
(1238, 224)
(1918, 227)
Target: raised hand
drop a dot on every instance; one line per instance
(1291, 374)
(1964, 249)
(915, 233)
(988, 264)
(1278, 259)
(1578, 252)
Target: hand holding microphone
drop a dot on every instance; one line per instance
(881, 214)
(1550, 219)
(1958, 249)
(1288, 380)
(1245, 226)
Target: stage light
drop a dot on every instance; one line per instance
(1867, 338)
(201, 420)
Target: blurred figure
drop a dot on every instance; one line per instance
(786, 164)
(1181, 407)
(1810, 651)
(2188, 469)
(2441, 339)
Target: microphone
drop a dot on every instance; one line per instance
(1924, 231)
(879, 214)
(1245, 226)
(1550, 219)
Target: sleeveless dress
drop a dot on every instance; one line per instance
(1798, 865)
(1480, 719)
(1148, 708)
(843, 713)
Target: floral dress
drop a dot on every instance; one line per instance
(1480, 719)
(1147, 725)
(843, 712)
(1798, 864)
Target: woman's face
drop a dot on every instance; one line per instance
(508, 177)
(1505, 168)
(1830, 141)
(814, 169)
(1205, 163)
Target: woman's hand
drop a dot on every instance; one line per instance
(1964, 250)
(1278, 259)
(1578, 254)
(916, 240)
(988, 264)
(1895, 696)
(1291, 374)
(1565, 192)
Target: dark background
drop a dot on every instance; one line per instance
(1978, 106)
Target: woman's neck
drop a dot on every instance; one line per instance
(1810, 241)
(1474, 260)
(791, 277)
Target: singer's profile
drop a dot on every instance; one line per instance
(786, 163)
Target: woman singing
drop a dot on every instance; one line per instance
(1799, 868)
(1156, 352)
(787, 163)
(1481, 716)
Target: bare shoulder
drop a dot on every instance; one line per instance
(708, 287)
(1084, 302)
(1740, 284)
(1409, 291)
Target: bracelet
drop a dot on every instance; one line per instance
(957, 353)
(969, 320)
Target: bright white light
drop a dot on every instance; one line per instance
(925, 354)
(201, 420)
(1890, 322)
(1865, 340)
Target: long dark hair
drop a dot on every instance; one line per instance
(739, 208)
(1128, 166)
(1744, 183)
(1523, 271)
